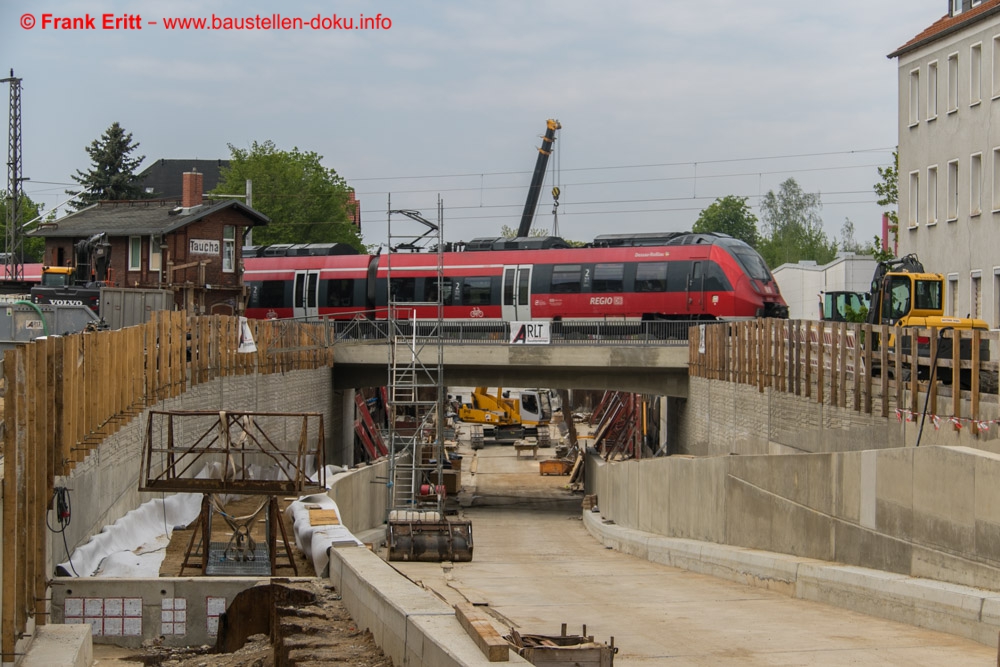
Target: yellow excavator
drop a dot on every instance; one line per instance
(511, 418)
(904, 295)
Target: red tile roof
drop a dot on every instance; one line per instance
(947, 24)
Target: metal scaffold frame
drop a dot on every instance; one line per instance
(417, 528)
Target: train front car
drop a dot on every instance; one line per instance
(755, 292)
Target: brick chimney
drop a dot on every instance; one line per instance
(191, 189)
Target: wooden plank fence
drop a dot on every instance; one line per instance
(65, 395)
(830, 363)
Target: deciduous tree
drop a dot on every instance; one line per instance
(306, 202)
(729, 215)
(792, 227)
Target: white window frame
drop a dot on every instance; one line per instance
(932, 195)
(975, 74)
(996, 297)
(135, 253)
(956, 7)
(976, 294)
(914, 97)
(155, 254)
(996, 180)
(952, 202)
(975, 184)
(996, 66)
(953, 82)
(229, 249)
(932, 90)
(952, 295)
(913, 217)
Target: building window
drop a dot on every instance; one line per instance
(932, 196)
(914, 97)
(228, 249)
(932, 90)
(976, 74)
(976, 184)
(956, 7)
(914, 218)
(996, 66)
(953, 191)
(952, 294)
(155, 254)
(996, 297)
(135, 253)
(953, 83)
(996, 180)
(975, 295)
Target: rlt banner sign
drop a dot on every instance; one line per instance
(530, 333)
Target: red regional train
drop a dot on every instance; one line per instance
(675, 276)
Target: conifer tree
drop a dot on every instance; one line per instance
(112, 173)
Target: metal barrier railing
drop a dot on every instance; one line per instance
(496, 332)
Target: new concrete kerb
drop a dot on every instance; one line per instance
(969, 612)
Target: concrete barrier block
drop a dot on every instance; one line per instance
(60, 646)
(440, 640)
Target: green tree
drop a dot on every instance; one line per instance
(510, 232)
(888, 192)
(306, 202)
(847, 240)
(729, 215)
(32, 248)
(793, 228)
(112, 172)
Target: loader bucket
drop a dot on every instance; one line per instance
(428, 537)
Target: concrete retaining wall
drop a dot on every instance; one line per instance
(961, 610)
(411, 626)
(742, 420)
(104, 487)
(932, 512)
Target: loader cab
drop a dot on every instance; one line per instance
(906, 295)
(844, 306)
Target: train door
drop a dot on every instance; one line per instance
(696, 288)
(305, 301)
(516, 292)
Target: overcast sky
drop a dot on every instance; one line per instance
(665, 105)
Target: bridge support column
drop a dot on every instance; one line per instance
(341, 448)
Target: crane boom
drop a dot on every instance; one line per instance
(536, 178)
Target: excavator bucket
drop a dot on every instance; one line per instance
(428, 537)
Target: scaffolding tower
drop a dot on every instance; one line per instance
(418, 527)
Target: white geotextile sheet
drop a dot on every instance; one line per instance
(315, 541)
(134, 545)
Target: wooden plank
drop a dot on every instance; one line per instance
(149, 344)
(898, 363)
(482, 632)
(42, 472)
(20, 498)
(820, 361)
(10, 481)
(956, 372)
(845, 354)
(974, 408)
(868, 342)
(856, 330)
(836, 352)
(884, 359)
(932, 403)
(808, 343)
(915, 372)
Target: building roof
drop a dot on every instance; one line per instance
(137, 218)
(164, 177)
(948, 24)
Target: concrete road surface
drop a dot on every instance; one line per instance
(536, 567)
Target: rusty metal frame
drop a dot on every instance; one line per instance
(172, 467)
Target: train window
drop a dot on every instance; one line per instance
(272, 294)
(609, 277)
(431, 291)
(651, 277)
(403, 289)
(476, 291)
(566, 279)
(508, 287)
(340, 293)
(715, 279)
